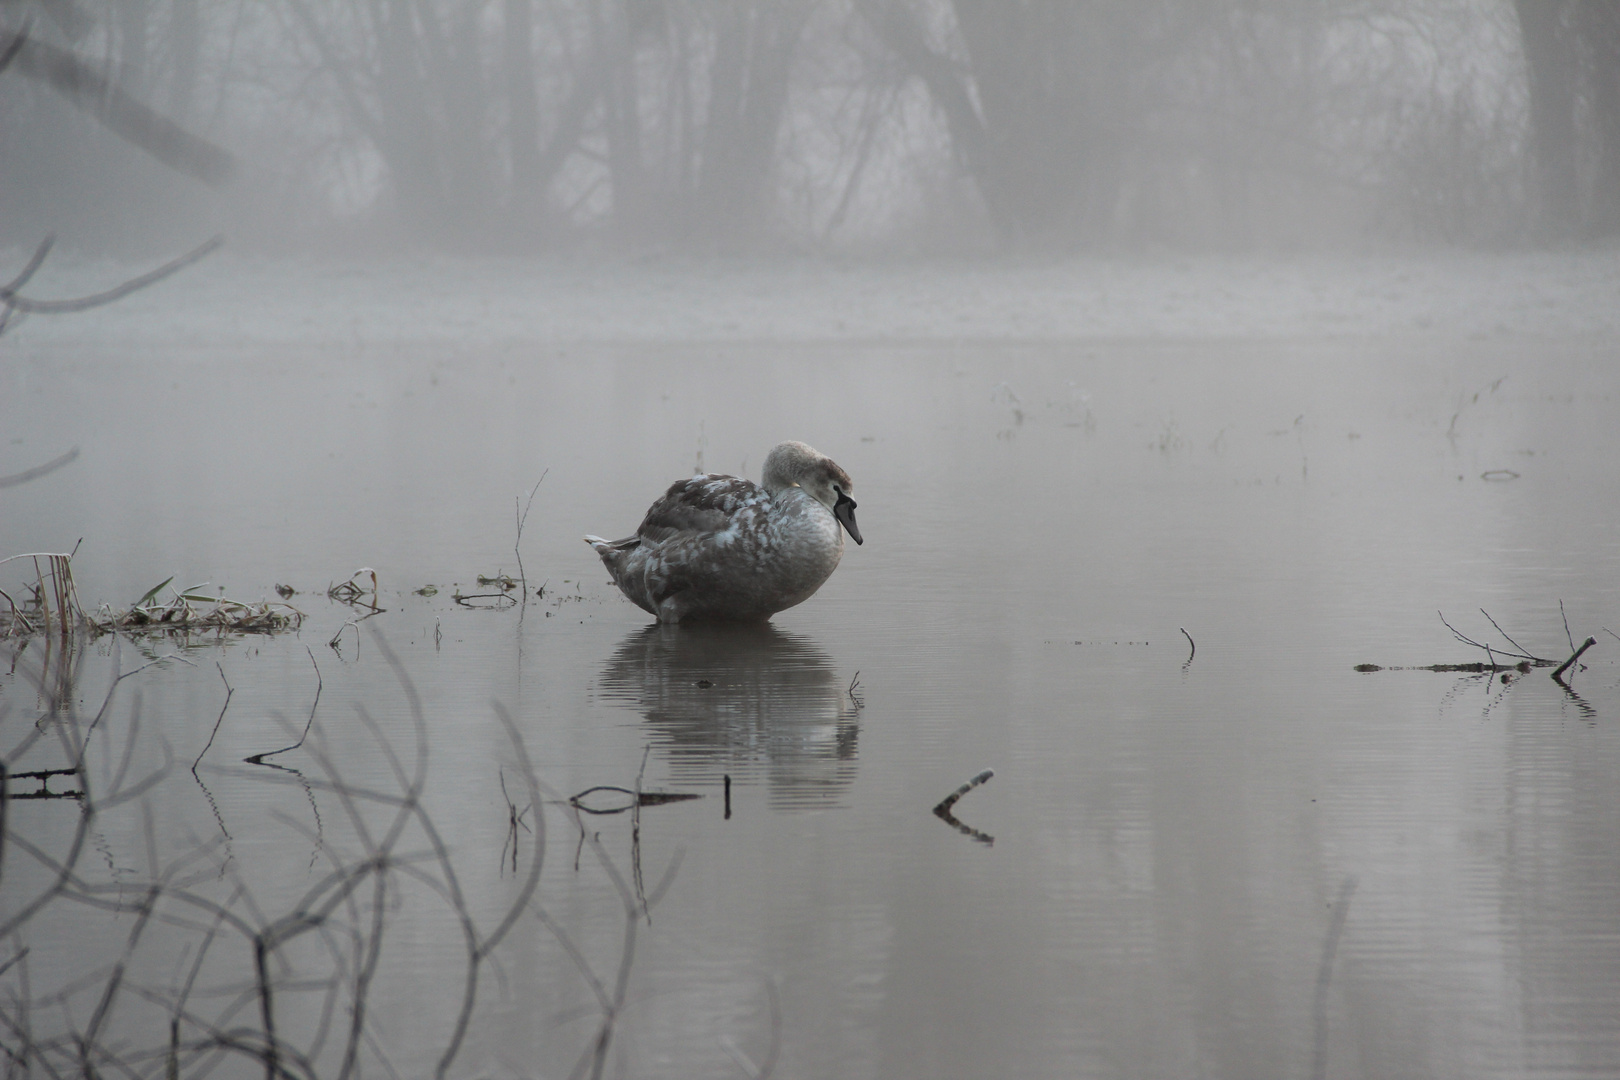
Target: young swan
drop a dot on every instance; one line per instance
(721, 547)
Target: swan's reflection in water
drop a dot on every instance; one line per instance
(753, 702)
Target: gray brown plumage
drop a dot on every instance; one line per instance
(721, 547)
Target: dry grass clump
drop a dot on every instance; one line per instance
(189, 612)
(50, 604)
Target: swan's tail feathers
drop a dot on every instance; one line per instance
(612, 549)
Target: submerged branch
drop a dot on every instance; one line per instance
(943, 810)
(1567, 664)
(1527, 659)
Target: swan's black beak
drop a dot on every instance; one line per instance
(844, 511)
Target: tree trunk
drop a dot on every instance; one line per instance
(186, 33)
(132, 51)
(1551, 63)
(406, 141)
(1025, 58)
(1599, 25)
(615, 59)
(951, 93)
(523, 107)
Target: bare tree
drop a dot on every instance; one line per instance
(732, 125)
(1572, 55)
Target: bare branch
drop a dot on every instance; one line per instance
(40, 470)
(84, 303)
(121, 113)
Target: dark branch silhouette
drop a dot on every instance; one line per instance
(133, 121)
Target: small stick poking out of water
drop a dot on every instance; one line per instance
(950, 800)
(943, 810)
(1567, 664)
(1192, 647)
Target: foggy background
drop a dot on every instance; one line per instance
(1281, 327)
(777, 126)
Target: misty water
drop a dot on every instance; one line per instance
(1244, 859)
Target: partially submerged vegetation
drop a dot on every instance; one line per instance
(50, 605)
(1511, 657)
(194, 611)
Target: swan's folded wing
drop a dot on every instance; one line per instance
(700, 506)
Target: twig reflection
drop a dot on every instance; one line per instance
(943, 810)
(1324, 976)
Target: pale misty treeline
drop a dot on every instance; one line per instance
(792, 125)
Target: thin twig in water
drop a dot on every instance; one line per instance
(514, 820)
(499, 599)
(645, 798)
(611, 1004)
(337, 638)
(950, 800)
(635, 838)
(217, 722)
(258, 759)
(1193, 647)
(522, 518)
(1567, 664)
(347, 919)
(1466, 640)
(943, 810)
(1503, 632)
(1324, 976)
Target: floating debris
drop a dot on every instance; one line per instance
(1475, 668)
(52, 606)
(608, 799)
(943, 810)
(350, 591)
(1526, 659)
(190, 611)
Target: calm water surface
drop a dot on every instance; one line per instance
(1251, 861)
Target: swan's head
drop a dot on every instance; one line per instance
(794, 464)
